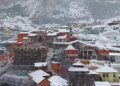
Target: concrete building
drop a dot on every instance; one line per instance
(29, 56)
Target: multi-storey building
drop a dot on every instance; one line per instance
(29, 56)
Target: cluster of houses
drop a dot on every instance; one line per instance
(78, 74)
(74, 61)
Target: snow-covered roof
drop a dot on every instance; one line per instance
(19, 42)
(54, 62)
(70, 47)
(57, 81)
(62, 37)
(2, 48)
(78, 69)
(40, 64)
(42, 31)
(78, 63)
(38, 73)
(38, 79)
(73, 41)
(99, 44)
(105, 69)
(52, 34)
(115, 84)
(93, 72)
(93, 65)
(33, 30)
(66, 43)
(86, 21)
(63, 30)
(99, 26)
(114, 54)
(25, 38)
(98, 83)
(115, 65)
(12, 41)
(65, 26)
(85, 43)
(31, 34)
(24, 33)
(113, 48)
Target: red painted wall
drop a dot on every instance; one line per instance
(44, 83)
(20, 37)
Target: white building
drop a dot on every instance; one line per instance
(108, 73)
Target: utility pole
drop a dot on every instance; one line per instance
(45, 37)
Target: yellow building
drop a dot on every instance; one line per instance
(6, 32)
(108, 74)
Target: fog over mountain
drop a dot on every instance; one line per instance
(59, 11)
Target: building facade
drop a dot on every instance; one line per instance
(28, 56)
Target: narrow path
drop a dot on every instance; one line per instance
(48, 60)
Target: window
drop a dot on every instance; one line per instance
(1, 51)
(81, 53)
(18, 52)
(90, 53)
(29, 52)
(35, 53)
(85, 52)
(106, 74)
(112, 59)
(103, 74)
(40, 39)
(25, 52)
(114, 75)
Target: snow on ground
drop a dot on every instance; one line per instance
(21, 23)
(109, 38)
(102, 83)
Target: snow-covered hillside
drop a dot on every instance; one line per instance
(19, 22)
(59, 11)
(45, 11)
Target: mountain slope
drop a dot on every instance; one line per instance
(59, 11)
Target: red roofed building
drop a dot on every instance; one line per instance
(12, 44)
(102, 54)
(19, 44)
(11, 55)
(71, 53)
(72, 38)
(21, 35)
(2, 58)
(63, 32)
